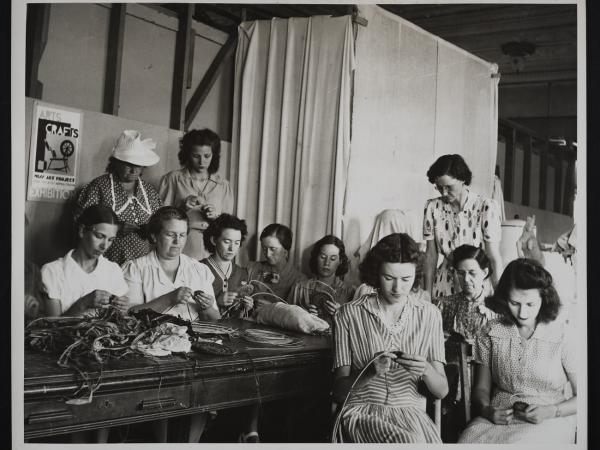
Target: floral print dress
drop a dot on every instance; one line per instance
(478, 222)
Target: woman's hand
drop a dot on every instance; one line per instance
(180, 295)
(415, 364)
(247, 302)
(499, 416)
(191, 201)
(537, 413)
(383, 362)
(96, 299)
(313, 309)
(210, 211)
(227, 298)
(203, 300)
(331, 306)
(121, 303)
(128, 227)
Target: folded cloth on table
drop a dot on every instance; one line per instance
(290, 317)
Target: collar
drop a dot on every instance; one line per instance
(161, 275)
(70, 262)
(549, 332)
(368, 301)
(469, 202)
(214, 177)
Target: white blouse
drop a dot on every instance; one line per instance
(67, 282)
(147, 281)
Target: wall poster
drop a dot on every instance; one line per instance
(54, 153)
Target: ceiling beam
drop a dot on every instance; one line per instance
(208, 80)
(537, 77)
(180, 67)
(114, 59)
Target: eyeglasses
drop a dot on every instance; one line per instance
(448, 187)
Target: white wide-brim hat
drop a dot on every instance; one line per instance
(132, 149)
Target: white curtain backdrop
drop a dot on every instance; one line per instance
(291, 127)
(416, 97)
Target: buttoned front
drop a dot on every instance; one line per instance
(147, 281)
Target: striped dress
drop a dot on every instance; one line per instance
(388, 408)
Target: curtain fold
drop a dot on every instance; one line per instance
(291, 127)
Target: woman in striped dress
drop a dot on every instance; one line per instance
(385, 404)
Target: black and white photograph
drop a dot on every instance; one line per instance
(299, 223)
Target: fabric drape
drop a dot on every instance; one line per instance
(291, 127)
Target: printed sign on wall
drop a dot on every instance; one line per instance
(54, 153)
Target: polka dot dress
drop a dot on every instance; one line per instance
(106, 190)
(531, 370)
(478, 222)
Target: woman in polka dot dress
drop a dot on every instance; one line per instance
(123, 190)
(527, 359)
(457, 217)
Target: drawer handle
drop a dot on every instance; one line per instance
(51, 416)
(157, 403)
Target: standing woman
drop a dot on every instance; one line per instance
(527, 357)
(329, 263)
(197, 188)
(457, 217)
(123, 190)
(276, 271)
(386, 405)
(83, 279)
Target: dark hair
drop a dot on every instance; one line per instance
(451, 165)
(281, 232)
(470, 252)
(96, 214)
(342, 269)
(217, 226)
(200, 137)
(112, 161)
(524, 274)
(161, 215)
(394, 248)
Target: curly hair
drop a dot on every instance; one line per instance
(523, 273)
(200, 137)
(451, 165)
(283, 234)
(160, 216)
(394, 248)
(221, 223)
(466, 251)
(344, 265)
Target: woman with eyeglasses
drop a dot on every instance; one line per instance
(457, 217)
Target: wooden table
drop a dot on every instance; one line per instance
(140, 389)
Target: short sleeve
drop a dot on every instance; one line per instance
(341, 350)
(167, 189)
(428, 226)
(483, 347)
(52, 281)
(89, 195)
(207, 278)
(569, 351)
(118, 285)
(436, 344)
(227, 203)
(491, 221)
(133, 279)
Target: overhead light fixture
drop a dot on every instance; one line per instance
(518, 51)
(561, 142)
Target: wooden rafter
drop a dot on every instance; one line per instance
(38, 16)
(180, 66)
(114, 59)
(208, 80)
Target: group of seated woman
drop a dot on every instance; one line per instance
(388, 335)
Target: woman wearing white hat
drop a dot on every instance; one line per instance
(123, 190)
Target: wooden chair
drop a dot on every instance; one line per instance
(459, 351)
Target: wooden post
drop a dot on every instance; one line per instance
(558, 184)
(544, 156)
(208, 80)
(114, 59)
(180, 66)
(36, 36)
(527, 149)
(509, 163)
